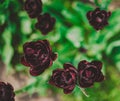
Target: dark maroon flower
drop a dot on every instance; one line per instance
(98, 18)
(45, 23)
(6, 92)
(64, 78)
(89, 72)
(33, 7)
(38, 56)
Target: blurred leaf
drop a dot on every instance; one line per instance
(81, 10)
(103, 3)
(20, 68)
(118, 65)
(4, 5)
(7, 49)
(26, 26)
(71, 17)
(2, 19)
(95, 50)
(97, 3)
(113, 24)
(79, 57)
(75, 36)
(111, 46)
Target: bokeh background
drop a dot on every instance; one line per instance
(74, 40)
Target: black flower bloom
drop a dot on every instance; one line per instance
(45, 23)
(89, 72)
(98, 18)
(38, 56)
(33, 7)
(64, 78)
(6, 92)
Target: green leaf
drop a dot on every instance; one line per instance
(103, 3)
(111, 46)
(26, 26)
(7, 49)
(71, 17)
(81, 10)
(2, 19)
(118, 65)
(75, 36)
(113, 25)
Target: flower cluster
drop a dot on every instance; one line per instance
(45, 22)
(86, 74)
(38, 56)
(6, 92)
(98, 18)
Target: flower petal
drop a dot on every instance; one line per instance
(36, 71)
(24, 62)
(101, 78)
(97, 64)
(67, 91)
(54, 56)
(85, 84)
(67, 65)
(82, 65)
(89, 15)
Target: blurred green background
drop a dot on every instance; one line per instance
(72, 35)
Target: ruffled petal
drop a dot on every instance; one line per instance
(36, 71)
(100, 78)
(54, 56)
(82, 65)
(67, 91)
(24, 62)
(89, 15)
(98, 64)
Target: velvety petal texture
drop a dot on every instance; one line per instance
(64, 78)
(98, 18)
(38, 56)
(89, 72)
(33, 7)
(6, 92)
(45, 23)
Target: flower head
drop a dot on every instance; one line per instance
(64, 78)
(45, 23)
(38, 56)
(6, 92)
(33, 7)
(98, 18)
(89, 72)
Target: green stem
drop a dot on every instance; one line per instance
(84, 92)
(24, 89)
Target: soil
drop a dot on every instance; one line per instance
(19, 80)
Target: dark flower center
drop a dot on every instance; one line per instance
(44, 24)
(59, 80)
(32, 4)
(68, 76)
(37, 58)
(89, 73)
(98, 19)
